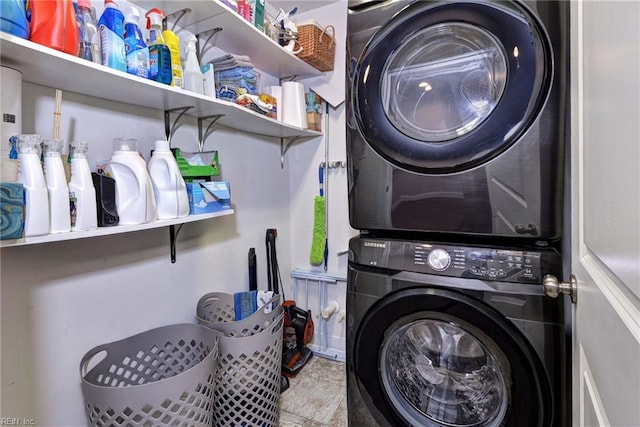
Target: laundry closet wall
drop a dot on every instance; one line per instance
(61, 299)
(303, 161)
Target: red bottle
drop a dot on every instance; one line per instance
(53, 24)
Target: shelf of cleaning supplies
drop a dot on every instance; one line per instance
(48, 67)
(237, 36)
(106, 231)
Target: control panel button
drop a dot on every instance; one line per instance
(439, 259)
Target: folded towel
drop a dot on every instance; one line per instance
(220, 66)
(230, 56)
(236, 72)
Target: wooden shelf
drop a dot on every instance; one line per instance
(107, 231)
(49, 67)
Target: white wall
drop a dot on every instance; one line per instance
(61, 299)
(303, 160)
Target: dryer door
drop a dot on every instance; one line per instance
(446, 86)
(434, 357)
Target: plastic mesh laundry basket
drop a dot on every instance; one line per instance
(164, 376)
(247, 390)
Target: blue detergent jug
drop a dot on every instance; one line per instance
(13, 19)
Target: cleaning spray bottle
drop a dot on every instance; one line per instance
(82, 194)
(59, 216)
(136, 49)
(173, 42)
(30, 175)
(111, 29)
(159, 54)
(169, 188)
(193, 80)
(88, 33)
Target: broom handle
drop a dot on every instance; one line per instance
(326, 204)
(56, 114)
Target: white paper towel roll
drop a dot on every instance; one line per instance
(276, 92)
(294, 111)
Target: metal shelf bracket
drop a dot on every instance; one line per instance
(202, 136)
(209, 35)
(169, 127)
(285, 143)
(173, 235)
(178, 14)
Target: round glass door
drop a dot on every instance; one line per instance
(434, 357)
(445, 373)
(447, 86)
(444, 81)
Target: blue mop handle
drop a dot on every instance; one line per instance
(321, 179)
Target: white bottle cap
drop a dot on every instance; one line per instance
(122, 144)
(79, 149)
(191, 43)
(161, 144)
(29, 143)
(53, 147)
(133, 17)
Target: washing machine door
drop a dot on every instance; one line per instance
(446, 86)
(434, 357)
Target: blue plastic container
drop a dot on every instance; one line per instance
(111, 29)
(135, 47)
(13, 19)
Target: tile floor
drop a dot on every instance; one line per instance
(316, 396)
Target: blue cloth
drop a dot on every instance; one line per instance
(245, 304)
(234, 73)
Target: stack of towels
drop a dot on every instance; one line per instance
(234, 76)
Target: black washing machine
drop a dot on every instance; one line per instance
(448, 335)
(456, 120)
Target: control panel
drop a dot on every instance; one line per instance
(473, 262)
(484, 263)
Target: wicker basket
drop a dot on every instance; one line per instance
(318, 45)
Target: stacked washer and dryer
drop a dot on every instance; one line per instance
(456, 135)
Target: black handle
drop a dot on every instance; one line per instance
(253, 274)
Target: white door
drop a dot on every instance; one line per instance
(606, 212)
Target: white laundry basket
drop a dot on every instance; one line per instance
(248, 380)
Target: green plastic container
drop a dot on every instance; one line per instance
(200, 165)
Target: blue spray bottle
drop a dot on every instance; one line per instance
(111, 29)
(135, 47)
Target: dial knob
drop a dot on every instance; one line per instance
(439, 259)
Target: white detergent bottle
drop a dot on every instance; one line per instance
(82, 194)
(192, 75)
(168, 185)
(56, 179)
(135, 200)
(31, 176)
